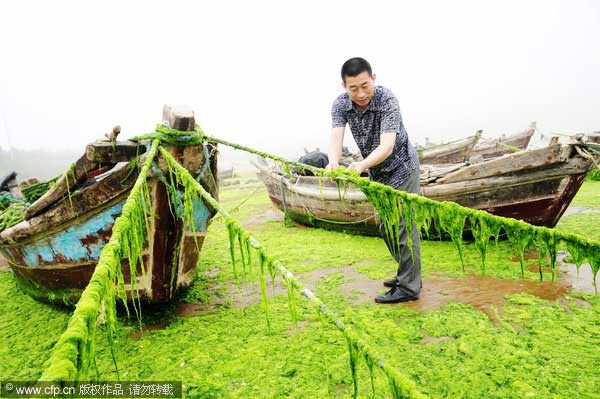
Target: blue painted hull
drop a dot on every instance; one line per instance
(55, 266)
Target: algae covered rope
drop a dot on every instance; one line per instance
(73, 354)
(173, 137)
(400, 385)
(588, 249)
(436, 210)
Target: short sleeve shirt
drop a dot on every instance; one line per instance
(382, 115)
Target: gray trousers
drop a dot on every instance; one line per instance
(408, 276)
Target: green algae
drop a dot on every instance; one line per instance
(172, 137)
(249, 363)
(353, 360)
(34, 191)
(451, 220)
(587, 224)
(67, 184)
(387, 202)
(391, 223)
(291, 300)
(594, 174)
(12, 215)
(292, 284)
(73, 354)
(262, 260)
(482, 228)
(520, 240)
(220, 346)
(587, 195)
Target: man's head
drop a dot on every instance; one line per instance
(358, 80)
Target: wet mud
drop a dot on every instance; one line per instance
(4, 265)
(268, 215)
(482, 292)
(573, 210)
(149, 327)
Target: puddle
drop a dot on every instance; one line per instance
(482, 292)
(150, 327)
(582, 281)
(267, 216)
(184, 309)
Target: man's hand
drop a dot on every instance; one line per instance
(357, 166)
(335, 147)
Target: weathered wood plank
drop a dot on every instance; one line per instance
(455, 152)
(166, 235)
(107, 152)
(512, 163)
(505, 145)
(574, 167)
(180, 117)
(92, 198)
(76, 175)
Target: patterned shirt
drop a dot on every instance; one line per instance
(382, 115)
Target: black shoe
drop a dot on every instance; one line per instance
(395, 295)
(390, 283)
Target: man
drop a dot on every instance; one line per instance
(374, 117)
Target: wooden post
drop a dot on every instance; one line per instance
(174, 248)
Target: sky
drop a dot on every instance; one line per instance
(266, 73)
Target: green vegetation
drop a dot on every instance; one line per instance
(34, 191)
(73, 354)
(227, 352)
(12, 215)
(588, 195)
(594, 175)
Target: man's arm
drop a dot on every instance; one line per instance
(379, 154)
(335, 147)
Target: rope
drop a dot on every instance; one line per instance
(540, 236)
(205, 164)
(312, 215)
(73, 353)
(406, 386)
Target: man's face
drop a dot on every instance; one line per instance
(360, 88)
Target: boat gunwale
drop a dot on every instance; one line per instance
(7, 239)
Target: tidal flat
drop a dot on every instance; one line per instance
(469, 336)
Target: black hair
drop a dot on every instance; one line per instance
(355, 66)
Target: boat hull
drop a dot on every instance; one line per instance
(500, 147)
(56, 262)
(538, 196)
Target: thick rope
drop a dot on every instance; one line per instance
(73, 353)
(404, 385)
(541, 235)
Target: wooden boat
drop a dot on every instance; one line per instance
(475, 148)
(226, 173)
(535, 186)
(54, 251)
(486, 149)
(454, 152)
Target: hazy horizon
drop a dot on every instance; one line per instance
(265, 73)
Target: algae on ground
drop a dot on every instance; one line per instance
(226, 354)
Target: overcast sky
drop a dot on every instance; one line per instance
(266, 73)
